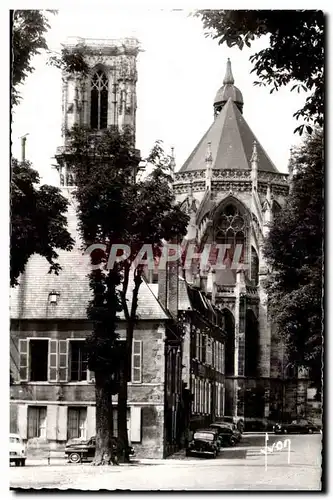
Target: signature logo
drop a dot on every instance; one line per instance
(277, 446)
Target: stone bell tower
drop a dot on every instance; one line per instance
(105, 97)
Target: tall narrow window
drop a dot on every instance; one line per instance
(78, 360)
(137, 361)
(76, 423)
(99, 101)
(39, 349)
(36, 422)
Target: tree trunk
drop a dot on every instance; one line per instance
(122, 413)
(104, 454)
(125, 372)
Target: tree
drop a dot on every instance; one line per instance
(294, 250)
(38, 221)
(28, 30)
(115, 207)
(295, 52)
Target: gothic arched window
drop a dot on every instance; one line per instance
(99, 100)
(231, 230)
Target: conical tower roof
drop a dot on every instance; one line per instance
(231, 144)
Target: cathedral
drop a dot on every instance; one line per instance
(232, 190)
(204, 345)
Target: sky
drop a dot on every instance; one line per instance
(179, 73)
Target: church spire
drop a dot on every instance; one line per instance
(227, 91)
(228, 79)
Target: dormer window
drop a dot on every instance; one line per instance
(99, 101)
(53, 297)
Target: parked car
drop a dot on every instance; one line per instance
(17, 451)
(205, 441)
(229, 434)
(85, 450)
(238, 421)
(301, 426)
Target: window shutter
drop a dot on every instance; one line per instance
(22, 420)
(209, 351)
(223, 358)
(53, 360)
(197, 345)
(24, 361)
(137, 362)
(135, 424)
(63, 360)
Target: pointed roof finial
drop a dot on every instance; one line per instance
(254, 156)
(228, 79)
(269, 194)
(209, 156)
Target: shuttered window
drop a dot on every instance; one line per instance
(77, 423)
(137, 362)
(36, 422)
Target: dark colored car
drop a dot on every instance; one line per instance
(301, 426)
(238, 421)
(205, 441)
(85, 450)
(228, 433)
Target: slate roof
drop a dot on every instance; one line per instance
(231, 144)
(30, 300)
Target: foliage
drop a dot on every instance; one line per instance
(71, 61)
(28, 30)
(38, 221)
(115, 207)
(295, 52)
(294, 249)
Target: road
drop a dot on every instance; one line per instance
(239, 468)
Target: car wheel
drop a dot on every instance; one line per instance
(74, 458)
(232, 441)
(215, 454)
(23, 462)
(188, 453)
(310, 431)
(285, 431)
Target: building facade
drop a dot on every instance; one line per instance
(52, 397)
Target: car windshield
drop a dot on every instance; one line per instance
(204, 435)
(13, 439)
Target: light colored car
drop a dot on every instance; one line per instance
(17, 451)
